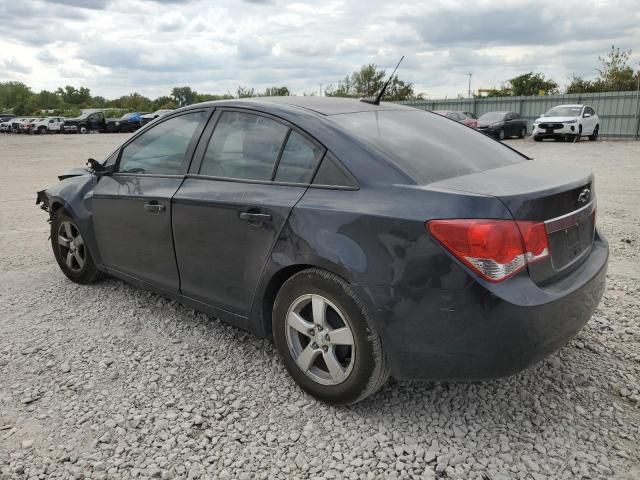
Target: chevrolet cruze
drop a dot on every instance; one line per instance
(367, 240)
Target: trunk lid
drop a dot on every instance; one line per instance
(559, 195)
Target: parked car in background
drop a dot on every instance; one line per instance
(368, 240)
(129, 122)
(85, 123)
(5, 124)
(567, 122)
(27, 125)
(470, 115)
(502, 125)
(458, 117)
(149, 117)
(47, 125)
(15, 124)
(6, 116)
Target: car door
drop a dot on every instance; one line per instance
(589, 122)
(227, 215)
(132, 207)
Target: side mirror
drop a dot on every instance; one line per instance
(586, 115)
(98, 169)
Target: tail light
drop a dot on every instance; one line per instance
(495, 249)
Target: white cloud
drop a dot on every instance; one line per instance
(119, 46)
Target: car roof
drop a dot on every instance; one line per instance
(570, 105)
(320, 105)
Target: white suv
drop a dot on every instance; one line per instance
(47, 125)
(566, 122)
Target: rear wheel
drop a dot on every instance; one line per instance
(594, 136)
(326, 339)
(71, 251)
(523, 132)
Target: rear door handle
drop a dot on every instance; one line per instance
(154, 207)
(255, 217)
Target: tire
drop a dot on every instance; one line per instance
(536, 138)
(594, 136)
(523, 132)
(42, 130)
(74, 258)
(308, 308)
(578, 137)
(83, 129)
(501, 134)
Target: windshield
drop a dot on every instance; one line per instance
(564, 112)
(492, 117)
(84, 115)
(426, 146)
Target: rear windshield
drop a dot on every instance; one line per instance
(426, 146)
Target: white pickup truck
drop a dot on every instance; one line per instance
(46, 125)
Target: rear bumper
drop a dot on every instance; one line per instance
(483, 332)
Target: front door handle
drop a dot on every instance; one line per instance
(154, 207)
(255, 218)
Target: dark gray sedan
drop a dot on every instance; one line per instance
(368, 240)
(502, 125)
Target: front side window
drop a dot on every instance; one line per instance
(161, 149)
(243, 146)
(299, 160)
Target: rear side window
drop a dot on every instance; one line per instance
(332, 173)
(427, 147)
(244, 146)
(299, 160)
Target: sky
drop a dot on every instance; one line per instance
(116, 47)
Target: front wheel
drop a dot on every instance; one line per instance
(501, 134)
(83, 129)
(42, 130)
(537, 138)
(594, 136)
(71, 251)
(326, 339)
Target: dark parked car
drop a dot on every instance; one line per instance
(129, 122)
(458, 117)
(368, 240)
(502, 125)
(6, 116)
(85, 123)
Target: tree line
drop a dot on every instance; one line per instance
(614, 74)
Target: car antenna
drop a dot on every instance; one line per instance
(376, 101)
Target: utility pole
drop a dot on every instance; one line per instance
(469, 92)
(320, 89)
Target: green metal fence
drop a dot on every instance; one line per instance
(619, 112)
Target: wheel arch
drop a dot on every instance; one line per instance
(262, 310)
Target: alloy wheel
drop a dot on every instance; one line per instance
(320, 339)
(71, 245)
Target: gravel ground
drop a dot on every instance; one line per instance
(109, 381)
